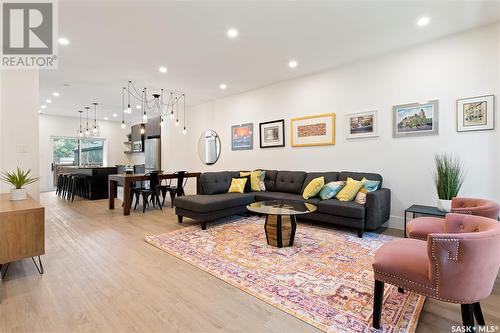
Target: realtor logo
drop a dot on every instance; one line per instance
(28, 34)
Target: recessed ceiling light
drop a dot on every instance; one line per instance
(232, 33)
(55, 94)
(63, 41)
(292, 64)
(162, 69)
(106, 118)
(115, 115)
(48, 100)
(223, 86)
(423, 21)
(43, 106)
(39, 111)
(138, 107)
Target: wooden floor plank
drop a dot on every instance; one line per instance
(100, 276)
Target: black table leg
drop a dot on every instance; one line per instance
(404, 230)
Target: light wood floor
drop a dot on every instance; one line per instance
(100, 276)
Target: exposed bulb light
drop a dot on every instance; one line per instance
(172, 115)
(63, 41)
(123, 125)
(144, 118)
(423, 21)
(87, 131)
(162, 123)
(163, 69)
(292, 63)
(43, 106)
(94, 129)
(177, 123)
(80, 134)
(143, 129)
(48, 100)
(232, 33)
(184, 131)
(223, 86)
(115, 115)
(55, 94)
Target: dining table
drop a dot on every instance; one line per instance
(126, 180)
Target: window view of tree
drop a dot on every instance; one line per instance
(92, 152)
(65, 151)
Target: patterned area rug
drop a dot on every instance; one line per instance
(325, 279)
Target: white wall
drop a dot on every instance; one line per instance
(19, 124)
(462, 65)
(51, 126)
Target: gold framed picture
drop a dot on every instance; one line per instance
(317, 130)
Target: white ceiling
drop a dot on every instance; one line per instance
(114, 41)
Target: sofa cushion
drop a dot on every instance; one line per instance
(290, 181)
(359, 176)
(342, 208)
(329, 177)
(266, 196)
(209, 203)
(270, 180)
(216, 182)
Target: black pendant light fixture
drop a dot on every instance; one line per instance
(80, 128)
(87, 128)
(96, 130)
(158, 105)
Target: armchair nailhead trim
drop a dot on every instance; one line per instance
(405, 280)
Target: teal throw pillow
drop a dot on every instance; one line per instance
(331, 189)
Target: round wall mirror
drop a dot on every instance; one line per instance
(209, 147)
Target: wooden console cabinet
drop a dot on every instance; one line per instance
(22, 230)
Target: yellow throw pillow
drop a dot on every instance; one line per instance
(256, 179)
(350, 190)
(313, 188)
(237, 185)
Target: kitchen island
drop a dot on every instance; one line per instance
(98, 178)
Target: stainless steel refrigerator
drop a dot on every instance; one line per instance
(152, 151)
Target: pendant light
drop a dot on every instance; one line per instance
(184, 130)
(95, 128)
(87, 129)
(80, 128)
(123, 113)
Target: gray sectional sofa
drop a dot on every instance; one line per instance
(213, 202)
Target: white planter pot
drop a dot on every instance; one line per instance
(444, 205)
(18, 194)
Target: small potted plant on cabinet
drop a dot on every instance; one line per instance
(448, 178)
(18, 179)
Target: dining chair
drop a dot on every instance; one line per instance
(174, 190)
(150, 192)
(457, 266)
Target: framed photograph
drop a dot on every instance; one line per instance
(416, 119)
(272, 134)
(313, 130)
(476, 113)
(242, 137)
(362, 125)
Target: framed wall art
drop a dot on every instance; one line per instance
(242, 137)
(362, 125)
(272, 134)
(318, 130)
(476, 113)
(416, 119)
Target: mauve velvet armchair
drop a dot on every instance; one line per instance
(457, 266)
(420, 227)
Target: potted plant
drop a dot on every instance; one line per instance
(448, 178)
(18, 179)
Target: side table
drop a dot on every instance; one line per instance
(422, 210)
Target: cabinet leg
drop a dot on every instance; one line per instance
(38, 268)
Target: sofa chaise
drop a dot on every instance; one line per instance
(213, 202)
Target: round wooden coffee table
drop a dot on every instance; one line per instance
(281, 219)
